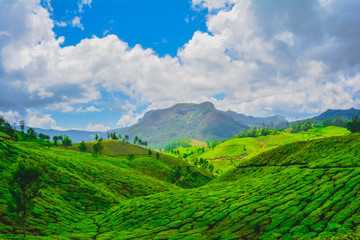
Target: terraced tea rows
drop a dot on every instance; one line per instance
(316, 197)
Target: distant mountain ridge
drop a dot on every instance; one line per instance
(187, 120)
(256, 121)
(334, 113)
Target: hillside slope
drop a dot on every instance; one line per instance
(166, 168)
(301, 190)
(79, 187)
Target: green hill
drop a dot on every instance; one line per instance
(166, 168)
(228, 153)
(79, 186)
(301, 190)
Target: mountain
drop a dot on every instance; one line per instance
(334, 113)
(256, 121)
(185, 120)
(75, 135)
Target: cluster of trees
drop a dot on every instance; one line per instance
(353, 125)
(114, 136)
(257, 132)
(97, 147)
(31, 134)
(203, 163)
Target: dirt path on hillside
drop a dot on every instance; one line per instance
(180, 179)
(228, 158)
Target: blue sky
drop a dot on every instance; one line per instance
(101, 64)
(161, 25)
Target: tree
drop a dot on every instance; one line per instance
(2, 120)
(354, 125)
(126, 138)
(82, 147)
(43, 136)
(96, 137)
(97, 147)
(120, 136)
(157, 155)
(55, 138)
(150, 153)
(22, 125)
(31, 133)
(136, 139)
(24, 185)
(66, 141)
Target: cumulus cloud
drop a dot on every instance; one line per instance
(88, 109)
(39, 120)
(282, 57)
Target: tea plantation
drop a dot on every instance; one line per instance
(301, 190)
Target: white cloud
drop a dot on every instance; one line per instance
(39, 120)
(10, 116)
(96, 127)
(243, 56)
(82, 3)
(76, 22)
(88, 109)
(60, 24)
(286, 37)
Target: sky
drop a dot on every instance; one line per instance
(101, 64)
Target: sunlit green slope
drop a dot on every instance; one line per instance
(230, 152)
(79, 186)
(300, 190)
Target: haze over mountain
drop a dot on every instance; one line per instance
(255, 121)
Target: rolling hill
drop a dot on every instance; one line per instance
(228, 153)
(79, 186)
(301, 190)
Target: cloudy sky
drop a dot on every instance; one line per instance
(101, 64)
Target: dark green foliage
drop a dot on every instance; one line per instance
(82, 147)
(44, 137)
(257, 132)
(56, 139)
(354, 125)
(97, 147)
(130, 156)
(66, 141)
(157, 155)
(31, 134)
(24, 186)
(149, 152)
